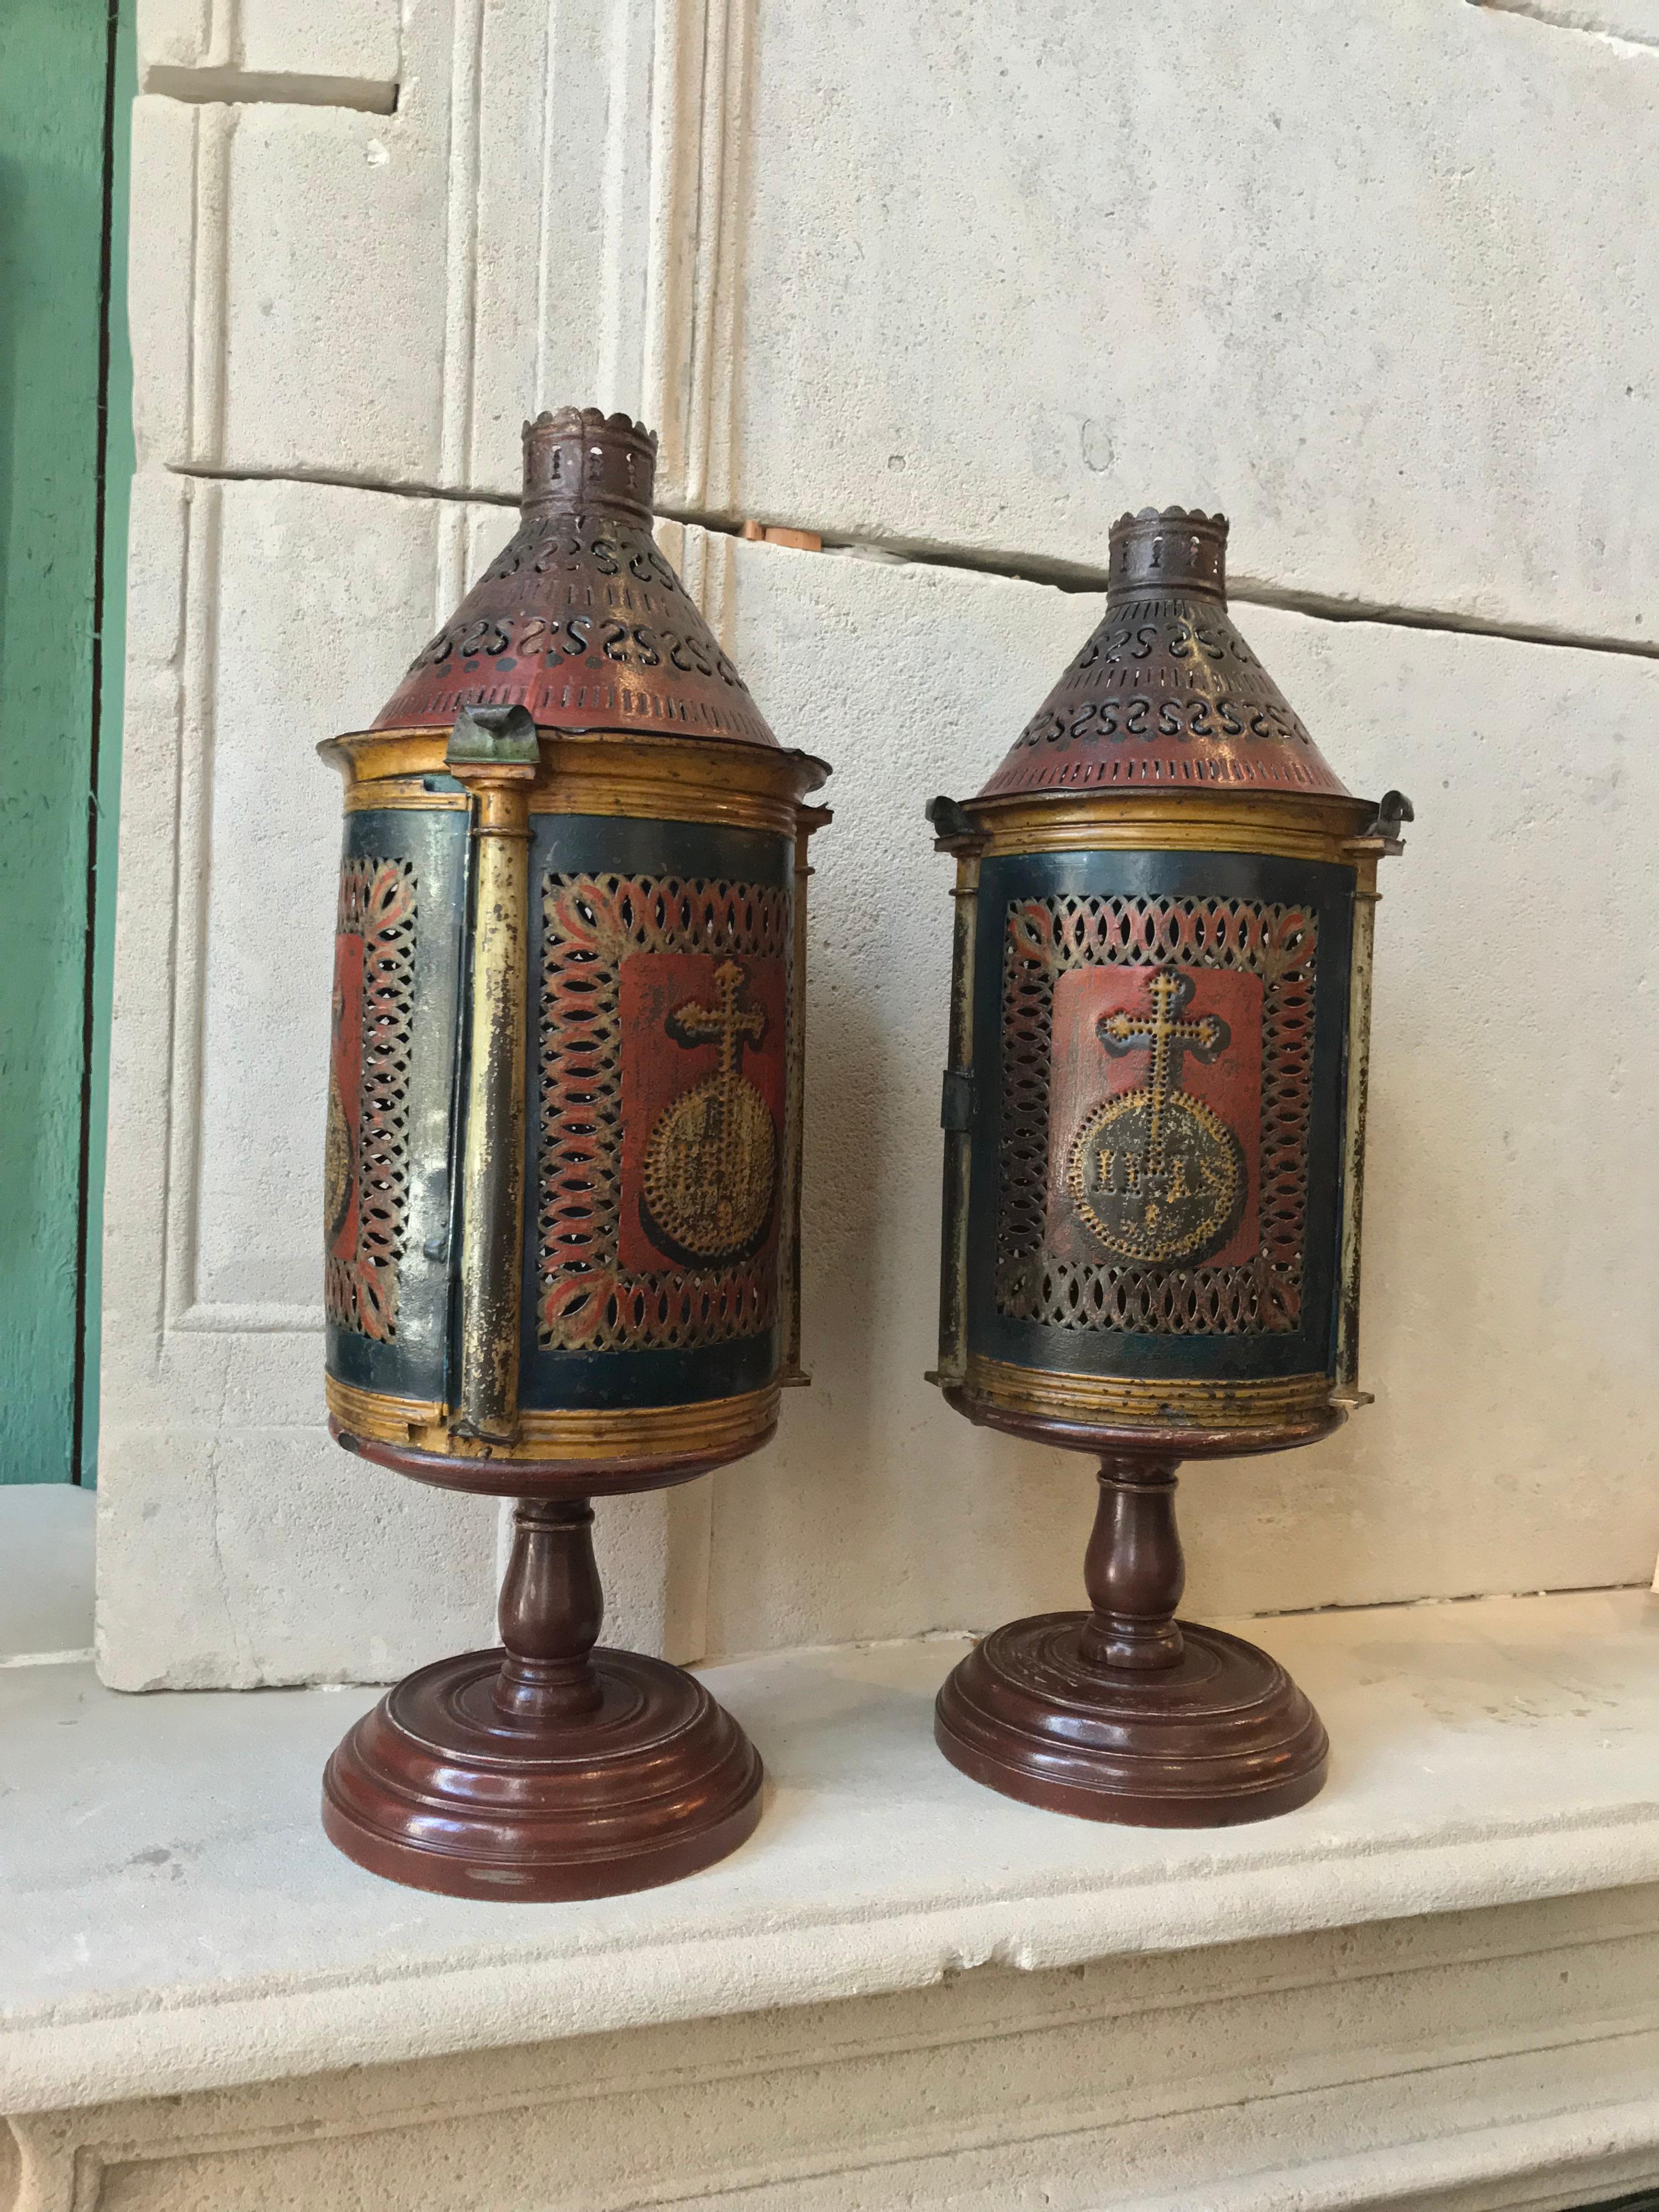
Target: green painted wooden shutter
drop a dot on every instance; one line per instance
(65, 462)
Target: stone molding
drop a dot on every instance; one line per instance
(1463, 2063)
(451, 199)
(188, 1927)
(1435, 1989)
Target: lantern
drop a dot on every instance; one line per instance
(1154, 1115)
(562, 1165)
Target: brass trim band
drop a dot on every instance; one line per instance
(599, 1433)
(1172, 821)
(492, 1152)
(789, 1256)
(1356, 1088)
(1110, 1401)
(394, 792)
(954, 1255)
(378, 1414)
(734, 787)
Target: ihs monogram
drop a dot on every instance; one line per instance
(1156, 1174)
(711, 1160)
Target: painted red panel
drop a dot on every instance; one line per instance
(1222, 1129)
(703, 1039)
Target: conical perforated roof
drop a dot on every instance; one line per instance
(1166, 694)
(579, 619)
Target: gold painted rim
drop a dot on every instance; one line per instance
(401, 791)
(1112, 1401)
(1173, 821)
(649, 778)
(378, 1414)
(599, 1433)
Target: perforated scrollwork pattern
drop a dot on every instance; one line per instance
(591, 924)
(1043, 938)
(367, 1162)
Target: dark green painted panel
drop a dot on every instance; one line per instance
(55, 80)
(119, 461)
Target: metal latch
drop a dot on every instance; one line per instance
(1394, 811)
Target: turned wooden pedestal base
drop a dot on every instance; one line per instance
(544, 1769)
(1124, 1713)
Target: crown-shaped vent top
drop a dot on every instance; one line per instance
(581, 619)
(576, 458)
(1165, 695)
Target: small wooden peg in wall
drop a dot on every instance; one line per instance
(777, 534)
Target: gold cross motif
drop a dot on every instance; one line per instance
(710, 1163)
(725, 1021)
(1156, 1174)
(1168, 1038)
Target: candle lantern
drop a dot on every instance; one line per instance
(1154, 1115)
(562, 1165)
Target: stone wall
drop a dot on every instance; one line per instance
(949, 286)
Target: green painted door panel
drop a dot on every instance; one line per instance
(60, 61)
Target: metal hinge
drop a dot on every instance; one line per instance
(955, 1105)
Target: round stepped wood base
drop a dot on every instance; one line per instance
(440, 1788)
(1223, 1735)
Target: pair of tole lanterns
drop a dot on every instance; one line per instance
(562, 1189)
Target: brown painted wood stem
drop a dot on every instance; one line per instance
(552, 1605)
(554, 1768)
(1133, 1569)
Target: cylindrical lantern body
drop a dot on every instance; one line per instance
(1154, 1113)
(650, 850)
(1156, 1102)
(562, 1164)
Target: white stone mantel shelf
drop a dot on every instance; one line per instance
(173, 1919)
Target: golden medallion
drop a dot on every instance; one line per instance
(711, 1161)
(337, 1166)
(1157, 1175)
